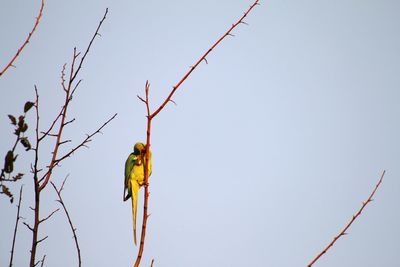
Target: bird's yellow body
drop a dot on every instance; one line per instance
(135, 177)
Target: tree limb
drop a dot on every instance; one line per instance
(150, 117)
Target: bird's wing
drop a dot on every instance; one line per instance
(129, 163)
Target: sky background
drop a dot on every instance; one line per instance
(270, 150)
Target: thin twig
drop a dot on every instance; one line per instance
(355, 216)
(85, 141)
(43, 239)
(52, 125)
(16, 227)
(48, 216)
(152, 261)
(26, 41)
(44, 257)
(90, 44)
(73, 229)
(28, 226)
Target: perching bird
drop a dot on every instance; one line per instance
(134, 177)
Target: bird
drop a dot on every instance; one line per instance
(134, 177)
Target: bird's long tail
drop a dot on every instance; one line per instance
(134, 197)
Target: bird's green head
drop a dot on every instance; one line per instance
(139, 148)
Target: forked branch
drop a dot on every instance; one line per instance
(69, 91)
(355, 216)
(151, 116)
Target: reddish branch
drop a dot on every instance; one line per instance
(203, 58)
(150, 117)
(61, 121)
(16, 227)
(26, 41)
(355, 216)
(146, 178)
(73, 229)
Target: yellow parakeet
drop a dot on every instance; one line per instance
(134, 177)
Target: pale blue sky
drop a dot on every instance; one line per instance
(270, 150)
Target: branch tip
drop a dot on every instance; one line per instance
(141, 99)
(11, 63)
(173, 102)
(354, 217)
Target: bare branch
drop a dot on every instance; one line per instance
(76, 86)
(52, 125)
(90, 44)
(16, 226)
(64, 142)
(27, 225)
(73, 229)
(49, 134)
(35, 168)
(44, 257)
(48, 216)
(85, 141)
(68, 122)
(43, 239)
(141, 99)
(63, 113)
(10, 64)
(354, 217)
(39, 184)
(146, 178)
